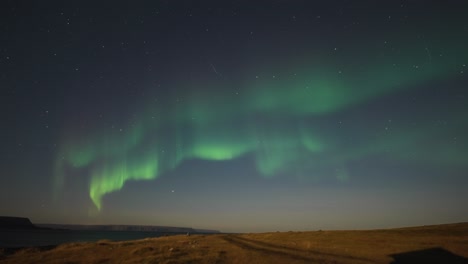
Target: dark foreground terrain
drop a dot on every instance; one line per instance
(427, 244)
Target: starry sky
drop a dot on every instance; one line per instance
(242, 116)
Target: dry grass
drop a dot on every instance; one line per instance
(373, 246)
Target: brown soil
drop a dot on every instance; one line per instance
(428, 244)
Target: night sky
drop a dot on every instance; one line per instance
(235, 115)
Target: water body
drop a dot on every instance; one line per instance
(33, 238)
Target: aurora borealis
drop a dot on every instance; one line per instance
(172, 114)
(222, 125)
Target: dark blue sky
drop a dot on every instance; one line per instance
(265, 116)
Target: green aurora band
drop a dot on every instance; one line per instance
(275, 120)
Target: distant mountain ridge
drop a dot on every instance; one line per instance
(11, 222)
(140, 228)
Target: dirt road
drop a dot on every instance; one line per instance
(263, 252)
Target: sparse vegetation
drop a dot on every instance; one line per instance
(372, 246)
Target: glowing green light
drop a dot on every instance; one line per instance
(274, 120)
(111, 178)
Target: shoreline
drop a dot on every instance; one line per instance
(443, 243)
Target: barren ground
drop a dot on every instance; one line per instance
(428, 244)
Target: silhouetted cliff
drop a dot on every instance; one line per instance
(10, 222)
